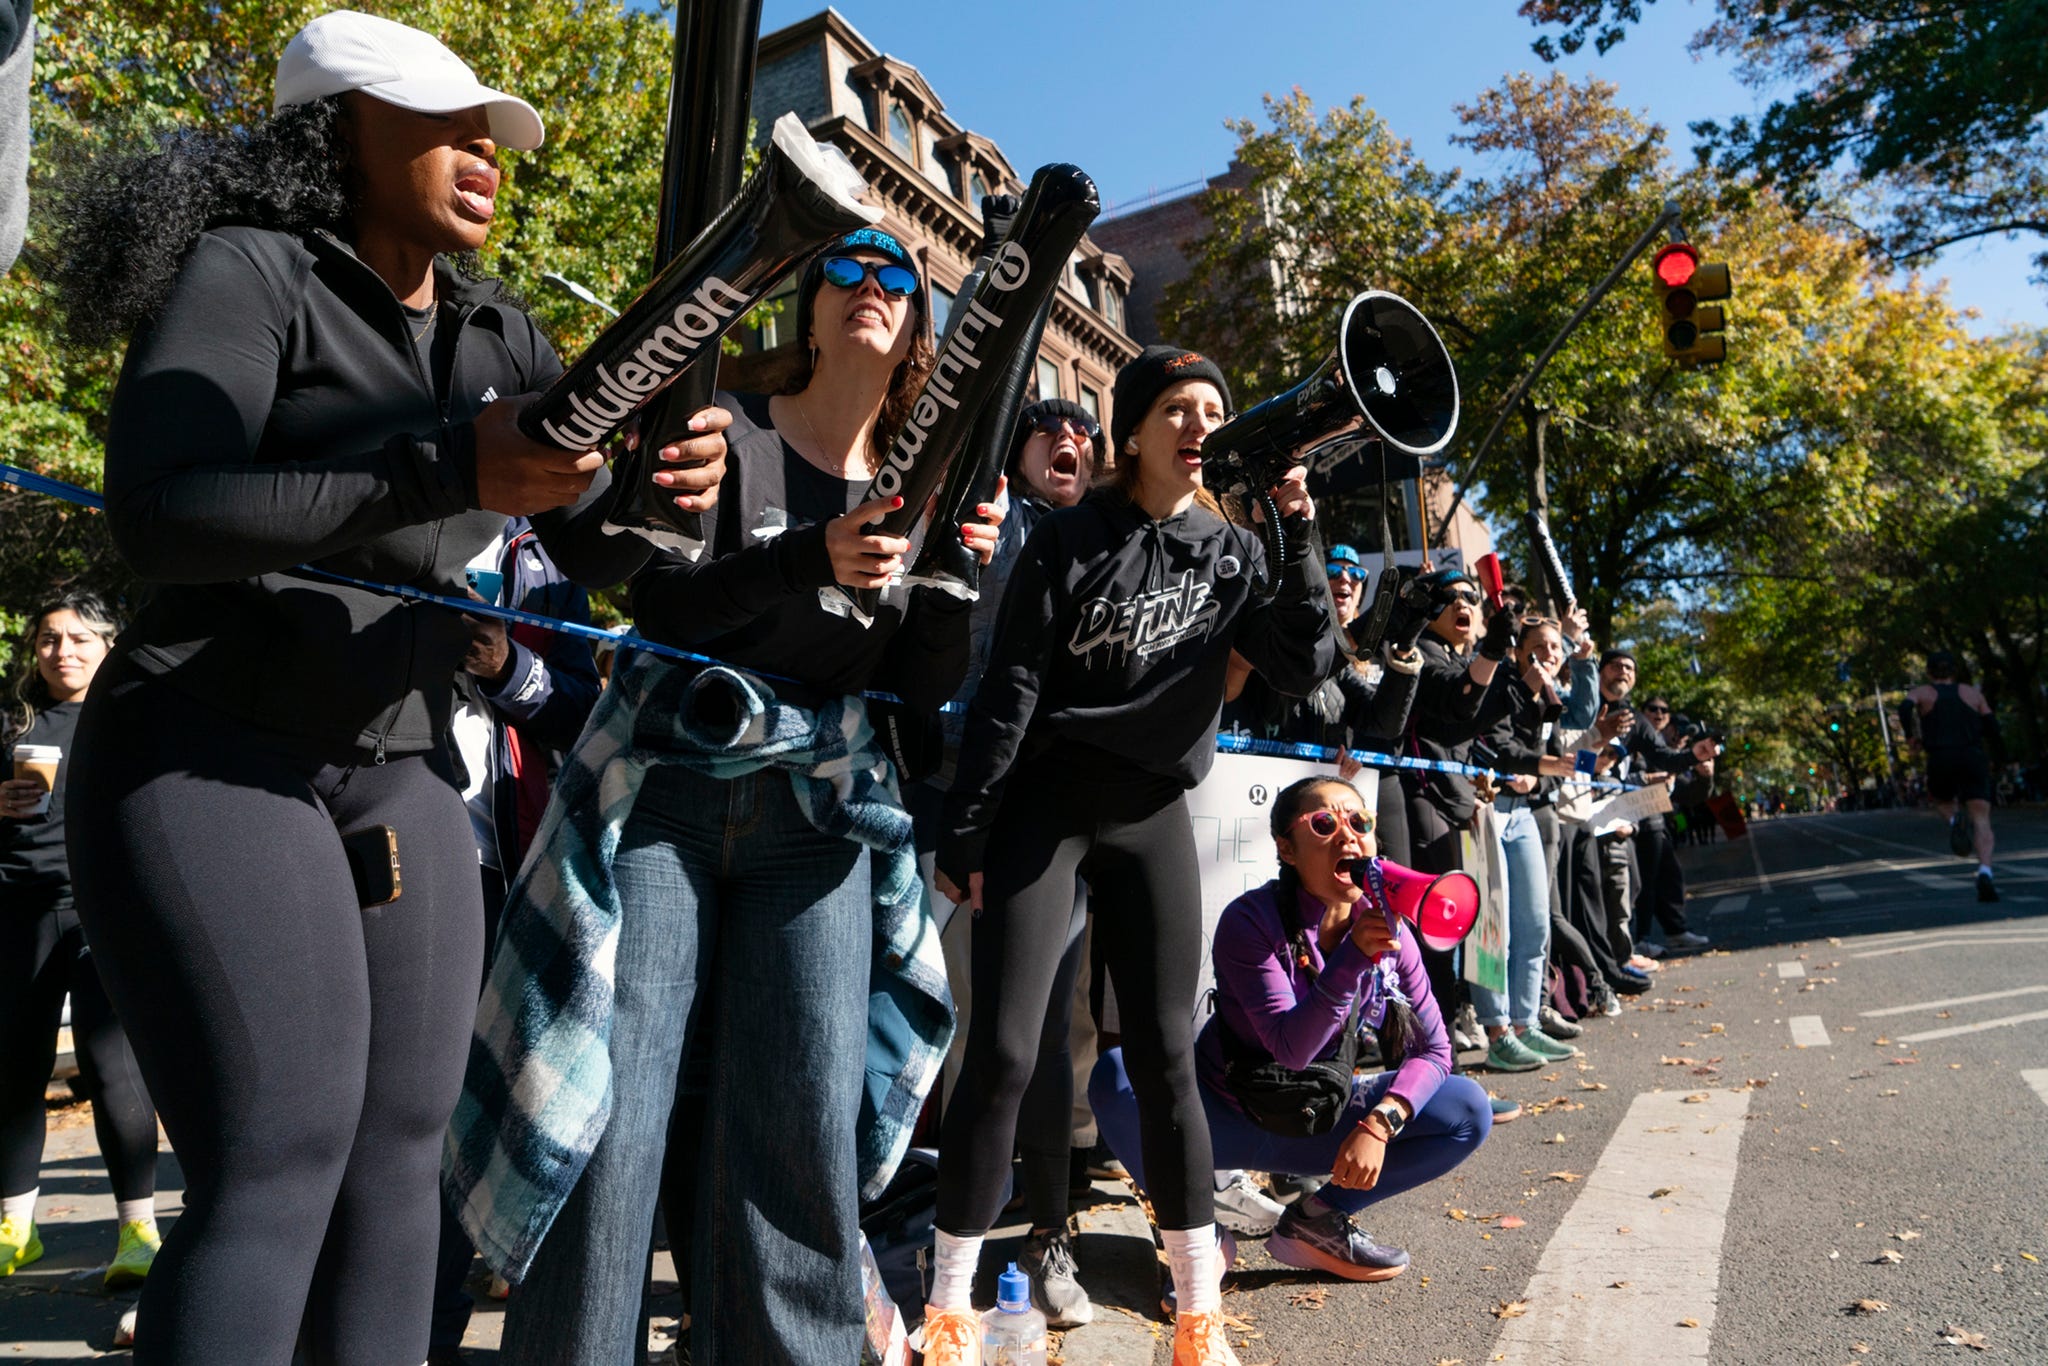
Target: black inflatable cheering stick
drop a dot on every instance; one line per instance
(804, 197)
(1550, 563)
(710, 94)
(974, 360)
(944, 562)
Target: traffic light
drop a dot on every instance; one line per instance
(1684, 287)
(1834, 727)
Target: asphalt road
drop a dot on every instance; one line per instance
(1706, 1185)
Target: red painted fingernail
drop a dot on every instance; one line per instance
(896, 503)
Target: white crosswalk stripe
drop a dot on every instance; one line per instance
(1787, 971)
(1809, 1032)
(1729, 905)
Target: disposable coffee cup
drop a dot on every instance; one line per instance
(38, 762)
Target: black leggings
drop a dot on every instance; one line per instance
(305, 1052)
(1134, 844)
(43, 956)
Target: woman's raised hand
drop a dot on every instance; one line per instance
(860, 560)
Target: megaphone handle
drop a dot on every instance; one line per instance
(1276, 533)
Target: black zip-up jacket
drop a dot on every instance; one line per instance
(1450, 712)
(1345, 711)
(1515, 742)
(1110, 652)
(276, 412)
(752, 599)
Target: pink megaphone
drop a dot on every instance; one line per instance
(1441, 906)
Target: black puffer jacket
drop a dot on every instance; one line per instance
(277, 412)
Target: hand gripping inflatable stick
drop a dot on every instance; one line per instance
(804, 197)
(710, 93)
(993, 324)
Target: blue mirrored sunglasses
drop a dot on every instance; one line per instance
(898, 282)
(1336, 568)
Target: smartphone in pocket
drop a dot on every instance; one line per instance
(373, 864)
(1586, 763)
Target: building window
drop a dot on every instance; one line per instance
(777, 315)
(1112, 306)
(1048, 379)
(977, 190)
(942, 308)
(1092, 401)
(899, 133)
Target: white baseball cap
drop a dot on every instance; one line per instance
(347, 50)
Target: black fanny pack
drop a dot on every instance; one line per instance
(1292, 1102)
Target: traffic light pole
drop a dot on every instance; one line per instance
(1667, 219)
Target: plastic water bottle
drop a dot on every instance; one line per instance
(1013, 1333)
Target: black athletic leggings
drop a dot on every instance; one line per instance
(42, 956)
(305, 1052)
(1133, 842)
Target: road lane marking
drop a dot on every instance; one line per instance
(1939, 884)
(2037, 1077)
(1790, 970)
(1976, 1028)
(1763, 879)
(1670, 1264)
(1729, 905)
(1809, 1032)
(1954, 1001)
(1833, 891)
(1946, 944)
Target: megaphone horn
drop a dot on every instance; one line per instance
(1441, 906)
(1390, 379)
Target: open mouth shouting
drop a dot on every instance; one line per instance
(476, 189)
(1190, 455)
(1065, 462)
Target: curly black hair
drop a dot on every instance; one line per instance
(125, 220)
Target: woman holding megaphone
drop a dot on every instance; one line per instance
(1329, 946)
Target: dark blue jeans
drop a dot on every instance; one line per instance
(745, 926)
(1441, 1135)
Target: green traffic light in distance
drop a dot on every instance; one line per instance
(1834, 725)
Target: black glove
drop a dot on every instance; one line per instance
(1500, 635)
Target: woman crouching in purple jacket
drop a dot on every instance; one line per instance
(1292, 960)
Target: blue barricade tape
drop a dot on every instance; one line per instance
(626, 639)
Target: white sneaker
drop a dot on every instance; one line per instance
(1243, 1208)
(1687, 939)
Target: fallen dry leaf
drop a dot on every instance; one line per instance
(1675, 1062)
(1512, 1221)
(1905, 1235)
(1963, 1337)
(1904, 1062)
(1868, 1307)
(1944, 1014)
(1619, 1285)
(2030, 1256)
(1661, 1192)
(1557, 1139)
(1569, 1177)
(1861, 1349)
(1592, 1085)
(1309, 1297)
(1457, 1214)
(1696, 1098)
(1688, 1323)
(1886, 1259)
(1889, 1091)
(1511, 1309)
(1662, 1129)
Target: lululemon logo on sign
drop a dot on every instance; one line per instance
(1257, 796)
(1010, 268)
(1228, 567)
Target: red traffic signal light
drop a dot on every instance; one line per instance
(1682, 282)
(1674, 265)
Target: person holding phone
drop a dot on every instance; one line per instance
(1097, 714)
(738, 827)
(312, 377)
(44, 956)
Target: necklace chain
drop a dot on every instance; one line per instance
(433, 312)
(798, 404)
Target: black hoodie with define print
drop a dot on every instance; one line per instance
(1110, 651)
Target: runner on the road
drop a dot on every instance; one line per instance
(1949, 722)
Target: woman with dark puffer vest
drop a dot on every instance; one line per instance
(313, 378)
(1097, 714)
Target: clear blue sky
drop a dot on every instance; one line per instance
(1137, 93)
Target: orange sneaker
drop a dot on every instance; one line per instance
(1200, 1340)
(952, 1337)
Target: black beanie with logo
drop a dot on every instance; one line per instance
(1140, 383)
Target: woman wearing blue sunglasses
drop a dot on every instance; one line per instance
(751, 862)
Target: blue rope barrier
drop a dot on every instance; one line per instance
(626, 639)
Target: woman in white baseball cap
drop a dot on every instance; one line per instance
(312, 377)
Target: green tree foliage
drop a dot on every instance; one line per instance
(583, 205)
(1773, 516)
(1935, 107)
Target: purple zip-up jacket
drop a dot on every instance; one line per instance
(1264, 995)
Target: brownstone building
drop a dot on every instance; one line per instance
(929, 175)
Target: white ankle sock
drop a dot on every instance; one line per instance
(1983, 870)
(22, 1207)
(128, 1211)
(953, 1271)
(1197, 1268)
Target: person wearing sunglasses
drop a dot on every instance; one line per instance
(1297, 962)
(746, 891)
(1096, 716)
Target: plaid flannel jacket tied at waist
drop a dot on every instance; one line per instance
(538, 1092)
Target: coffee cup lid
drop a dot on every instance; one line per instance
(38, 752)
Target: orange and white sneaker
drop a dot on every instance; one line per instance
(952, 1337)
(1199, 1339)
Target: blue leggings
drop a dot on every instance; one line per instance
(1441, 1135)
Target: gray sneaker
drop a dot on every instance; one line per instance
(1556, 1025)
(1243, 1208)
(1330, 1242)
(1048, 1259)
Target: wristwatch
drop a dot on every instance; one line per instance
(1392, 1117)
